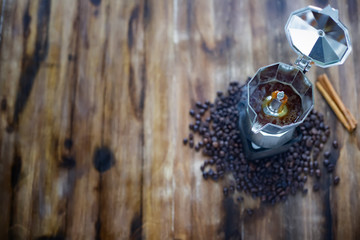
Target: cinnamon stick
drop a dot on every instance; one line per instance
(324, 80)
(333, 106)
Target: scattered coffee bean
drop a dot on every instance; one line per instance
(225, 191)
(198, 104)
(327, 132)
(185, 141)
(335, 144)
(336, 180)
(240, 199)
(327, 154)
(215, 144)
(309, 143)
(313, 131)
(249, 211)
(272, 178)
(330, 168)
(191, 136)
(192, 112)
(326, 162)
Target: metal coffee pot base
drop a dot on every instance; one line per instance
(251, 150)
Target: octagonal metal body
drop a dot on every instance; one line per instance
(271, 135)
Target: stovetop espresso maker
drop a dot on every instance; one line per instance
(279, 96)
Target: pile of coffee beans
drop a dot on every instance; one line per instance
(271, 179)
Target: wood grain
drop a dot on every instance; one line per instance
(94, 100)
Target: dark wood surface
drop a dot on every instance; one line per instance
(94, 105)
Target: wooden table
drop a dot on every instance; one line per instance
(94, 106)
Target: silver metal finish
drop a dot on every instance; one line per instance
(272, 135)
(318, 36)
(303, 63)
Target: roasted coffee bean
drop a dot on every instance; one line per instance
(335, 144)
(185, 141)
(316, 164)
(313, 131)
(304, 179)
(309, 143)
(225, 191)
(240, 199)
(198, 104)
(249, 211)
(271, 179)
(191, 136)
(311, 165)
(327, 154)
(326, 162)
(215, 144)
(330, 168)
(327, 132)
(336, 180)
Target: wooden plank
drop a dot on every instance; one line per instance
(158, 172)
(94, 106)
(14, 163)
(83, 213)
(124, 73)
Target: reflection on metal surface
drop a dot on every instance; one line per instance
(319, 35)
